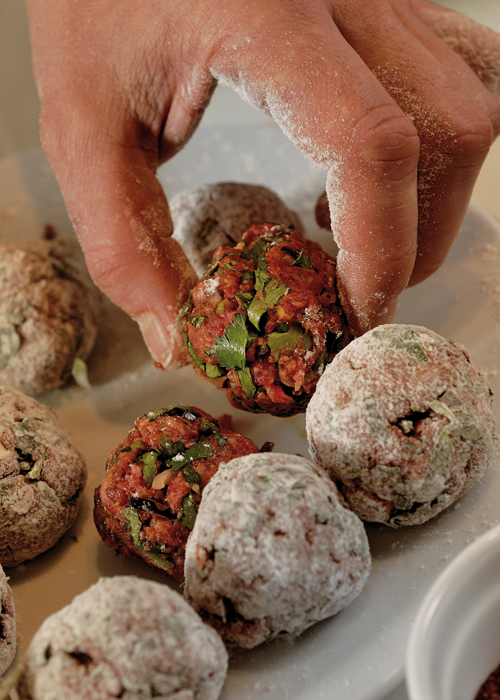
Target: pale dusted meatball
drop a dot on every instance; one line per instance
(215, 215)
(8, 640)
(48, 315)
(125, 638)
(402, 421)
(42, 475)
(273, 550)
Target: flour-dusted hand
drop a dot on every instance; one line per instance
(394, 98)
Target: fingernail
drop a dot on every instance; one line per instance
(164, 341)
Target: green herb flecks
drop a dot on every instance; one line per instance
(213, 267)
(188, 513)
(196, 321)
(261, 279)
(169, 448)
(259, 249)
(247, 384)
(303, 260)
(136, 445)
(159, 560)
(191, 475)
(246, 298)
(282, 341)
(272, 293)
(213, 371)
(149, 466)
(200, 450)
(134, 526)
(79, 372)
(230, 349)
(207, 426)
(320, 361)
(183, 312)
(186, 306)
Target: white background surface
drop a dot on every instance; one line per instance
(19, 106)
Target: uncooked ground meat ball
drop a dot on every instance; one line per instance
(265, 320)
(42, 475)
(146, 506)
(124, 638)
(273, 550)
(402, 421)
(215, 215)
(8, 640)
(48, 315)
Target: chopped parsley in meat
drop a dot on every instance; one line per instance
(265, 320)
(147, 503)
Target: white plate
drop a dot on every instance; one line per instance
(359, 654)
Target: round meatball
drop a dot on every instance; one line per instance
(265, 320)
(124, 638)
(48, 316)
(8, 638)
(42, 475)
(216, 215)
(402, 422)
(147, 504)
(273, 550)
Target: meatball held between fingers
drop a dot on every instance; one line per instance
(147, 504)
(265, 320)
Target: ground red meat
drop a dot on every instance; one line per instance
(265, 321)
(147, 503)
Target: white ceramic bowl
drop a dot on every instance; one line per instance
(455, 640)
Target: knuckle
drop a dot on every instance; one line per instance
(386, 135)
(473, 134)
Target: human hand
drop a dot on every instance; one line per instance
(396, 99)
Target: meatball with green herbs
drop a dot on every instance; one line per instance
(265, 320)
(146, 506)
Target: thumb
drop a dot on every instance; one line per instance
(122, 220)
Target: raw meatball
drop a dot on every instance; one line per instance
(8, 640)
(273, 550)
(42, 475)
(48, 315)
(265, 320)
(402, 421)
(216, 215)
(147, 503)
(124, 638)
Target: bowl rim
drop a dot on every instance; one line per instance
(448, 578)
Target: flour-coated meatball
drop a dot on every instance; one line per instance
(8, 631)
(273, 550)
(125, 638)
(49, 312)
(402, 421)
(42, 476)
